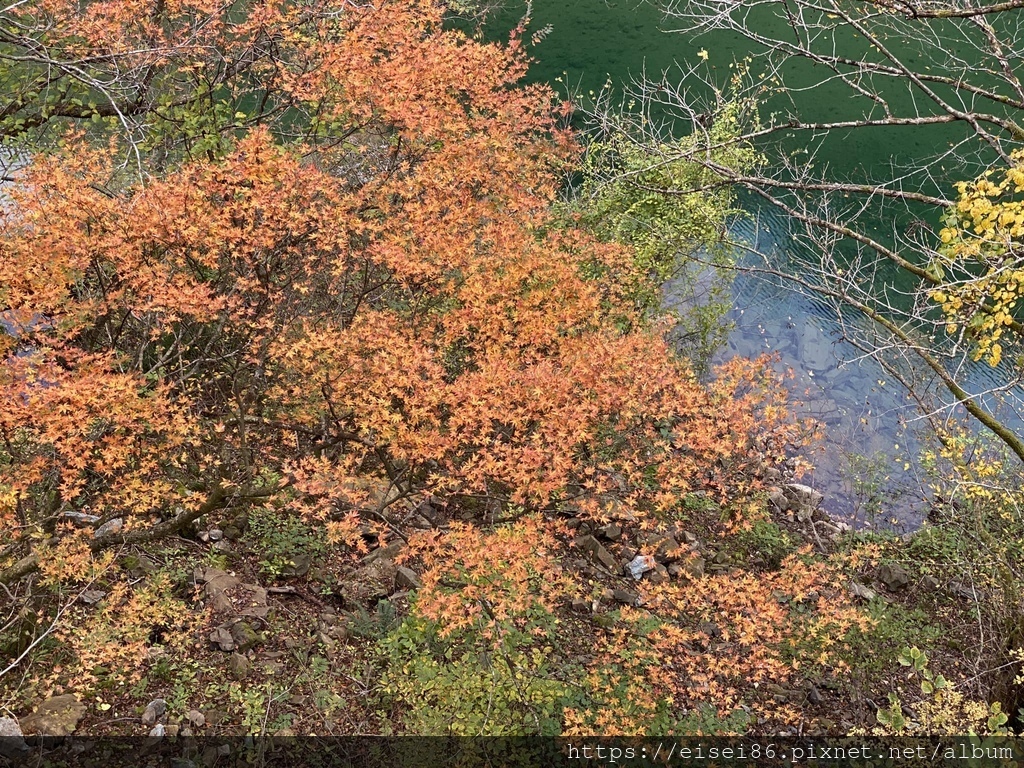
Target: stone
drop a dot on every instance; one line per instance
(57, 716)
(640, 565)
(580, 605)
(92, 596)
(244, 636)
(390, 552)
(689, 538)
(299, 566)
(694, 568)
(668, 551)
(221, 637)
(612, 531)
(238, 665)
(197, 718)
(216, 534)
(368, 584)
(863, 592)
(407, 578)
(216, 716)
(109, 527)
(894, 576)
(12, 743)
(625, 597)
(930, 583)
(659, 575)
(154, 711)
(802, 499)
(778, 499)
(596, 550)
(223, 546)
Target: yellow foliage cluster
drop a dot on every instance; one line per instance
(984, 235)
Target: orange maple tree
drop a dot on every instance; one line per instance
(341, 294)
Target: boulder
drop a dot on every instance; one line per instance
(863, 592)
(368, 584)
(407, 578)
(894, 576)
(802, 499)
(154, 711)
(57, 716)
(596, 550)
(238, 665)
(668, 551)
(244, 636)
(12, 744)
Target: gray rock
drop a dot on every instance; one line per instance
(694, 568)
(12, 744)
(612, 531)
(894, 576)
(668, 551)
(390, 552)
(154, 711)
(596, 550)
(369, 584)
(81, 518)
(863, 592)
(659, 575)
(221, 637)
(930, 583)
(778, 499)
(407, 578)
(57, 716)
(244, 636)
(92, 596)
(238, 665)
(216, 534)
(197, 718)
(802, 499)
(223, 546)
(158, 731)
(625, 597)
(299, 566)
(109, 527)
(580, 605)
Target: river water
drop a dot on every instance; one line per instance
(867, 464)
